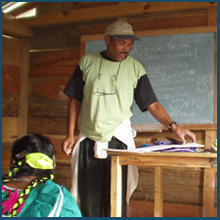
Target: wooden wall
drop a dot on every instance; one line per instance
(54, 53)
(15, 70)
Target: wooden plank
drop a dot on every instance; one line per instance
(169, 161)
(166, 31)
(11, 51)
(44, 57)
(175, 159)
(140, 22)
(162, 154)
(161, 21)
(158, 192)
(44, 107)
(47, 125)
(152, 22)
(172, 31)
(166, 20)
(159, 127)
(120, 10)
(47, 98)
(15, 29)
(208, 192)
(53, 63)
(9, 104)
(51, 88)
(61, 69)
(86, 14)
(48, 7)
(180, 6)
(9, 129)
(212, 16)
(10, 78)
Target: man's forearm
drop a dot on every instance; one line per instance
(159, 113)
(74, 110)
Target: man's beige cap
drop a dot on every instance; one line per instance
(121, 29)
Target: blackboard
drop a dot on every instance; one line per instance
(181, 68)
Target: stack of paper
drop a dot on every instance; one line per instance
(170, 147)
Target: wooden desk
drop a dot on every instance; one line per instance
(208, 161)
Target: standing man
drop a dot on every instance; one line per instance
(102, 90)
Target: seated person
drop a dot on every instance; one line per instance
(28, 189)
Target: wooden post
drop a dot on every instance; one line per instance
(212, 15)
(23, 93)
(116, 187)
(208, 192)
(210, 136)
(158, 192)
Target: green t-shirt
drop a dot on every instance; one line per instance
(108, 94)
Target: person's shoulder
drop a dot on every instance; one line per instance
(136, 66)
(131, 59)
(41, 200)
(89, 58)
(91, 55)
(56, 187)
(53, 190)
(135, 63)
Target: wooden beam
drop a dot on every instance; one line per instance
(159, 127)
(14, 28)
(111, 11)
(25, 8)
(86, 14)
(7, 16)
(178, 6)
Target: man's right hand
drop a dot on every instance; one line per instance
(68, 144)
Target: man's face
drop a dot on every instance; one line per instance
(118, 49)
